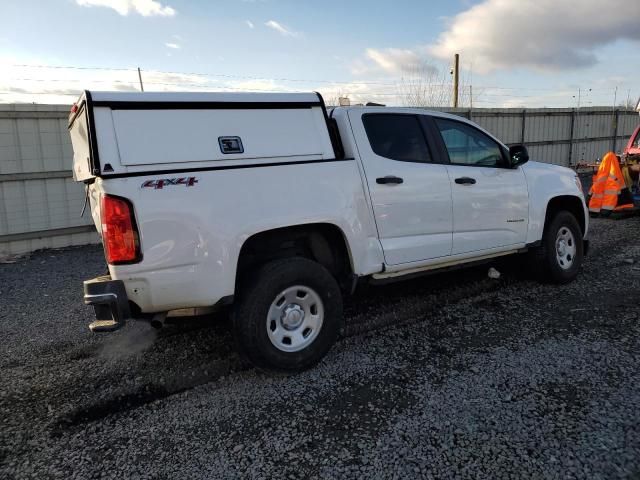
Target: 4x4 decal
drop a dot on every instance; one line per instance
(165, 182)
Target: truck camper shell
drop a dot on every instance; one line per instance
(118, 134)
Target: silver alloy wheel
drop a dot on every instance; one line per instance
(295, 318)
(565, 248)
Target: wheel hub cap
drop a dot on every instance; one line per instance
(292, 316)
(562, 247)
(565, 248)
(295, 318)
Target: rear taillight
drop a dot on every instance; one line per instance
(119, 231)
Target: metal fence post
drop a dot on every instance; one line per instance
(571, 128)
(616, 117)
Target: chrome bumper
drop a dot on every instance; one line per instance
(110, 303)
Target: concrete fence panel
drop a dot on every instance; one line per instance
(40, 203)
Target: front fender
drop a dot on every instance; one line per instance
(546, 182)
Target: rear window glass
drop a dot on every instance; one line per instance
(396, 136)
(79, 133)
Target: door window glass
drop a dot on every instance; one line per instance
(396, 136)
(469, 146)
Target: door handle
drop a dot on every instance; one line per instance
(389, 179)
(465, 181)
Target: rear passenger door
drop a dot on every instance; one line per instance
(411, 195)
(490, 199)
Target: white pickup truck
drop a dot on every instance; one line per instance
(276, 206)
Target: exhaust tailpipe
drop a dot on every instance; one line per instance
(158, 320)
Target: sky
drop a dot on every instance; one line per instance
(513, 53)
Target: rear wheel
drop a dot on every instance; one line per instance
(559, 257)
(288, 316)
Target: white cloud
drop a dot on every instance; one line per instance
(395, 60)
(175, 46)
(249, 24)
(257, 85)
(540, 34)
(281, 29)
(146, 8)
(173, 82)
(360, 93)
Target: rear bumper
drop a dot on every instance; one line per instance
(110, 303)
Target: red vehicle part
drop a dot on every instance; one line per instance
(633, 146)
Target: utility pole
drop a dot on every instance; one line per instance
(140, 78)
(456, 62)
(470, 97)
(615, 95)
(626, 107)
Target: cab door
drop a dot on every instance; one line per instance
(490, 199)
(410, 194)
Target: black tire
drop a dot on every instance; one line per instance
(254, 303)
(543, 260)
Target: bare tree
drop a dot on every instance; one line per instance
(426, 85)
(628, 104)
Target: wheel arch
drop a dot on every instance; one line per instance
(323, 242)
(571, 203)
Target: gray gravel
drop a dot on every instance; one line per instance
(450, 376)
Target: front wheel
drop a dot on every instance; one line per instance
(288, 316)
(559, 257)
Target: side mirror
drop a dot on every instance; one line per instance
(519, 155)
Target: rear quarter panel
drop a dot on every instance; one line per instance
(191, 236)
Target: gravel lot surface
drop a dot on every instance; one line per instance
(449, 376)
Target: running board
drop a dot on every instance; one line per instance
(443, 265)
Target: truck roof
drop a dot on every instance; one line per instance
(190, 97)
(414, 110)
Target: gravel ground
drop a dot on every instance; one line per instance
(449, 376)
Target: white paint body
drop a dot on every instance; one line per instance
(191, 237)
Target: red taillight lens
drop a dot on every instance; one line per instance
(119, 232)
(74, 108)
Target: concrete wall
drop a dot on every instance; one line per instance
(40, 204)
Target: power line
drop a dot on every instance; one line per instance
(282, 79)
(243, 89)
(396, 84)
(483, 93)
(203, 85)
(222, 75)
(67, 67)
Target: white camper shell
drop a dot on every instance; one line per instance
(128, 133)
(272, 205)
